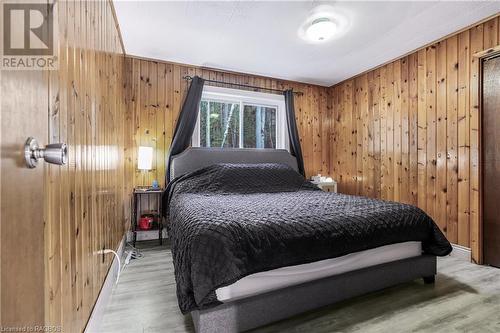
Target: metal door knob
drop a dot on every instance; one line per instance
(55, 153)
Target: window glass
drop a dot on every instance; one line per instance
(259, 126)
(219, 124)
(230, 118)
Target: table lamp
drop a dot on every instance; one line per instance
(145, 158)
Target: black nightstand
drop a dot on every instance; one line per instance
(152, 199)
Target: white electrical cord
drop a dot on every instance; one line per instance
(133, 254)
(105, 251)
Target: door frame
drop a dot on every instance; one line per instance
(481, 56)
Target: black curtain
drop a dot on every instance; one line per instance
(186, 122)
(293, 133)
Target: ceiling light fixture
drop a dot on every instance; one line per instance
(321, 29)
(325, 23)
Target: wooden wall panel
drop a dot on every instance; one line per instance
(155, 92)
(430, 138)
(441, 135)
(452, 140)
(419, 132)
(87, 207)
(476, 45)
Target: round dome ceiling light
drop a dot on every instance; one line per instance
(324, 23)
(321, 29)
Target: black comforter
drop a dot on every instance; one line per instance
(227, 221)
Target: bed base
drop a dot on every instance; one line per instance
(252, 312)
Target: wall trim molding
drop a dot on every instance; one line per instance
(102, 301)
(461, 252)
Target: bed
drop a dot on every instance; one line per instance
(253, 242)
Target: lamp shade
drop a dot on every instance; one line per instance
(145, 158)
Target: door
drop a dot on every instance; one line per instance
(24, 107)
(24, 104)
(490, 129)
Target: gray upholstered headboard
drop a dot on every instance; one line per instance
(195, 158)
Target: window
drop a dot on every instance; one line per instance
(231, 118)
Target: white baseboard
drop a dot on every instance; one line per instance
(461, 252)
(146, 235)
(95, 320)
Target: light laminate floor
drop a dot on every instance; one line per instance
(465, 298)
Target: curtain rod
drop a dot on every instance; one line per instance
(187, 78)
